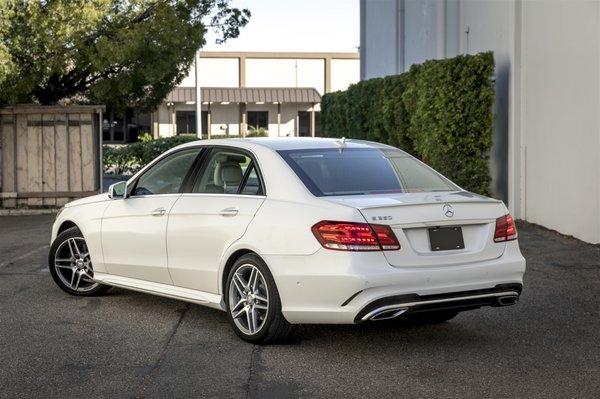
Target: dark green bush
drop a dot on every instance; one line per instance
(333, 114)
(440, 111)
(130, 158)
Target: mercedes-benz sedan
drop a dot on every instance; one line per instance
(278, 232)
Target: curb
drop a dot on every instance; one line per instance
(28, 212)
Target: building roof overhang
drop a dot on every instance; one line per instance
(246, 95)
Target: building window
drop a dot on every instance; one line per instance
(186, 122)
(258, 120)
(303, 123)
(125, 128)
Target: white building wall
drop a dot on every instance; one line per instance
(165, 128)
(380, 47)
(560, 123)
(285, 73)
(344, 73)
(214, 72)
(225, 119)
(546, 153)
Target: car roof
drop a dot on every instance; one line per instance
(291, 143)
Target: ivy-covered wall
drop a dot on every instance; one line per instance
(439, 111)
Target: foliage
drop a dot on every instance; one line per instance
(145, 137)
(129, 158)
(260, 132)
(114, 52)
(439, 111)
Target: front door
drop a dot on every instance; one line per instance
(134, 228)
(205, 222)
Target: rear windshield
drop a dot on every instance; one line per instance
(356, 171)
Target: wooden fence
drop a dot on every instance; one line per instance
(50, 154)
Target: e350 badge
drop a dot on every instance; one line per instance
(380, 218)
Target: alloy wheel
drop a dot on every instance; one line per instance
(73, 265)
(248, 299)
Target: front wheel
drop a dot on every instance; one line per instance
(253, 303)
(71, 266)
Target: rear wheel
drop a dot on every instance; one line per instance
(71, 266)
(253, 303)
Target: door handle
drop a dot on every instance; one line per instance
(232, 211)
(159, 212)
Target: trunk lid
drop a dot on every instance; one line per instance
(411, 215)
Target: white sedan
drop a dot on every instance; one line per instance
(286, 231)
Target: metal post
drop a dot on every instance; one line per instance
(208, 122)
(101, 162)
(198, 97)
(312, 121)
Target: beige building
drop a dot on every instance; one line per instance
(244, 91)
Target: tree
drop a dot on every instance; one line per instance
(115, 52)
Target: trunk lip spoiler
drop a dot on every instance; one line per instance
(435, 223)
(489, 201)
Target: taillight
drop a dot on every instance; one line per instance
(348, 236)
(505, 229)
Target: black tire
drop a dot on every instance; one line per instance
(276, 328)
(434, 317)
(63, 237)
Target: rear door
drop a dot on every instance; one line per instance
(134, 229)
(205, 221)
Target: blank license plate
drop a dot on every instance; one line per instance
(446, 238)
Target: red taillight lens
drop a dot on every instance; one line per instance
(386, 237)
(505, 229)
(347, 236)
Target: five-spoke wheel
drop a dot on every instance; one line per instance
(71, 266)
(250, 298)
(253, 303)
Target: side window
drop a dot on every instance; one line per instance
(225, 172)
(166, 176)
(252, 184)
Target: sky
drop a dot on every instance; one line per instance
(295, 25)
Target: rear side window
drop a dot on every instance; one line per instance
(356, 171)
(228, 172)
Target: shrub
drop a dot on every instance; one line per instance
(439, 111)
(129, 158)
(260, 132)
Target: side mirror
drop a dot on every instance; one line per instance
(118, 190)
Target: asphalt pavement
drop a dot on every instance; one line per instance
(127, 344)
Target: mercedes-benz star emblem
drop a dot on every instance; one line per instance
(448, 210)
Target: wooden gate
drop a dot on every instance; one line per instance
(50, 154)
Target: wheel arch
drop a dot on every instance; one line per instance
(66, 224)
(229, 264)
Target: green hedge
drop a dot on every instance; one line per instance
(439, 111)
(129, 158)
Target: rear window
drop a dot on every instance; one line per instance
(356, 171)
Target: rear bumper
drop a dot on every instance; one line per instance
(401, 305)
(336, 287)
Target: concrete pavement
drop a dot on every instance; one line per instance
(127, 344)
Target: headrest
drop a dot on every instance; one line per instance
(228, 174)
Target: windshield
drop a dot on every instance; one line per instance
(356, 171)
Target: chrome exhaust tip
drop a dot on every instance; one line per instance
(387, 314)
(508, 300)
